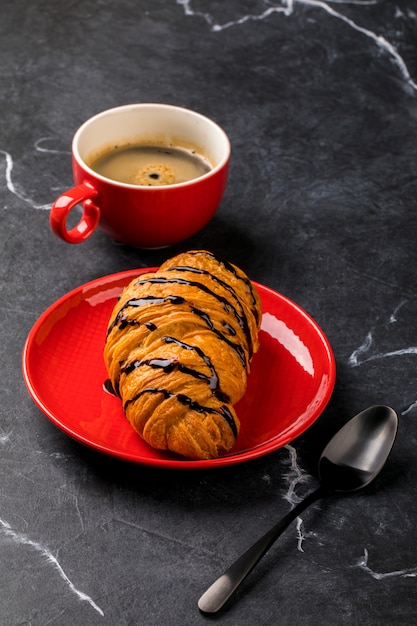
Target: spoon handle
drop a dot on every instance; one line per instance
(216, 595)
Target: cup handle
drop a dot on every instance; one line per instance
(83, 193)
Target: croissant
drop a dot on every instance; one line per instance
(178, 352)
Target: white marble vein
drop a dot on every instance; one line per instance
(366, 351)
(287, 7)
(300, 534)
(356, 358)
(13, 188)
(410, 408)
(188, 10)
(22, 539)
(380, 41)
(362, 563)
(4, 437)
(393, 318)
(40, 148)
(295, 476)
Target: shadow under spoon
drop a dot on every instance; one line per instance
(351, 460)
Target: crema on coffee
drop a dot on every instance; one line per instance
(150, 165)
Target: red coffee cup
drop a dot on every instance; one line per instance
(140, 215)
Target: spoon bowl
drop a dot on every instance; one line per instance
(352, 459)
(358, 451)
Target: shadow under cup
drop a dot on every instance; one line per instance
(138, 215)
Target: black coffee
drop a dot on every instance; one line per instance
(150, 165)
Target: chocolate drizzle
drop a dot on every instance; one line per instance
(235, 346)
(171, 364)
(232, 269)
(228, 307)
(242, 319)
(223, 411)
(108, 387)
(122, 321)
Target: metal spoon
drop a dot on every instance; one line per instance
(350, 461)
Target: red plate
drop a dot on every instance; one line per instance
(291, 380)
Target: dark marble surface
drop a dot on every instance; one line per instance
(320, 102)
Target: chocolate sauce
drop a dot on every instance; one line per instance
(228, 328)
(213, 379)
(231, 268)
(108, 387)
(228, 307)
(235, 346)
(122, 321)
(223, 411)
(194, 270)
(171, 364)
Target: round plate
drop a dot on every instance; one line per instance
(291, 380)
